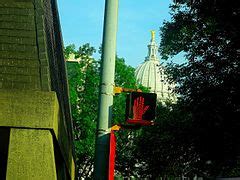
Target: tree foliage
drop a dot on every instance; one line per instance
(166, 149)
(209, 84)
(126, 158)
(84, 79)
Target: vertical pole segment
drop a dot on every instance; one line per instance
(106, 90)
(112, 154)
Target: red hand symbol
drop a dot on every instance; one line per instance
(138, 108)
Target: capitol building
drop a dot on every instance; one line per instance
(151, 74)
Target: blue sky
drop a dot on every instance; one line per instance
(82, 22)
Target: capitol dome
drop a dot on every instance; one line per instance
(151, 74)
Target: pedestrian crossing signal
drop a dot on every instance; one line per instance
(141, 108)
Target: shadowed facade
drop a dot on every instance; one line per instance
(35, 118)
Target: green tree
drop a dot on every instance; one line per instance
(208, 33)
(166, 149)
(68, 50)
(83, 85)
(126, 158)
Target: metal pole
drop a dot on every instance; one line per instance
(106, 90)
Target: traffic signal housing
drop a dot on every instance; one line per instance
(141, 108)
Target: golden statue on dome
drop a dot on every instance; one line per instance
(152, 35)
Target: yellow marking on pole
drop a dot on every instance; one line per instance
(116, 128)
(117, 90)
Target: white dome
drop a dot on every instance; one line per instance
(151, 74)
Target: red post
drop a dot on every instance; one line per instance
(112, 154)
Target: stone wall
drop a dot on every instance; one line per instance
(35, 119)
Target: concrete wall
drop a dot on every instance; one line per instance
(35, 118)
